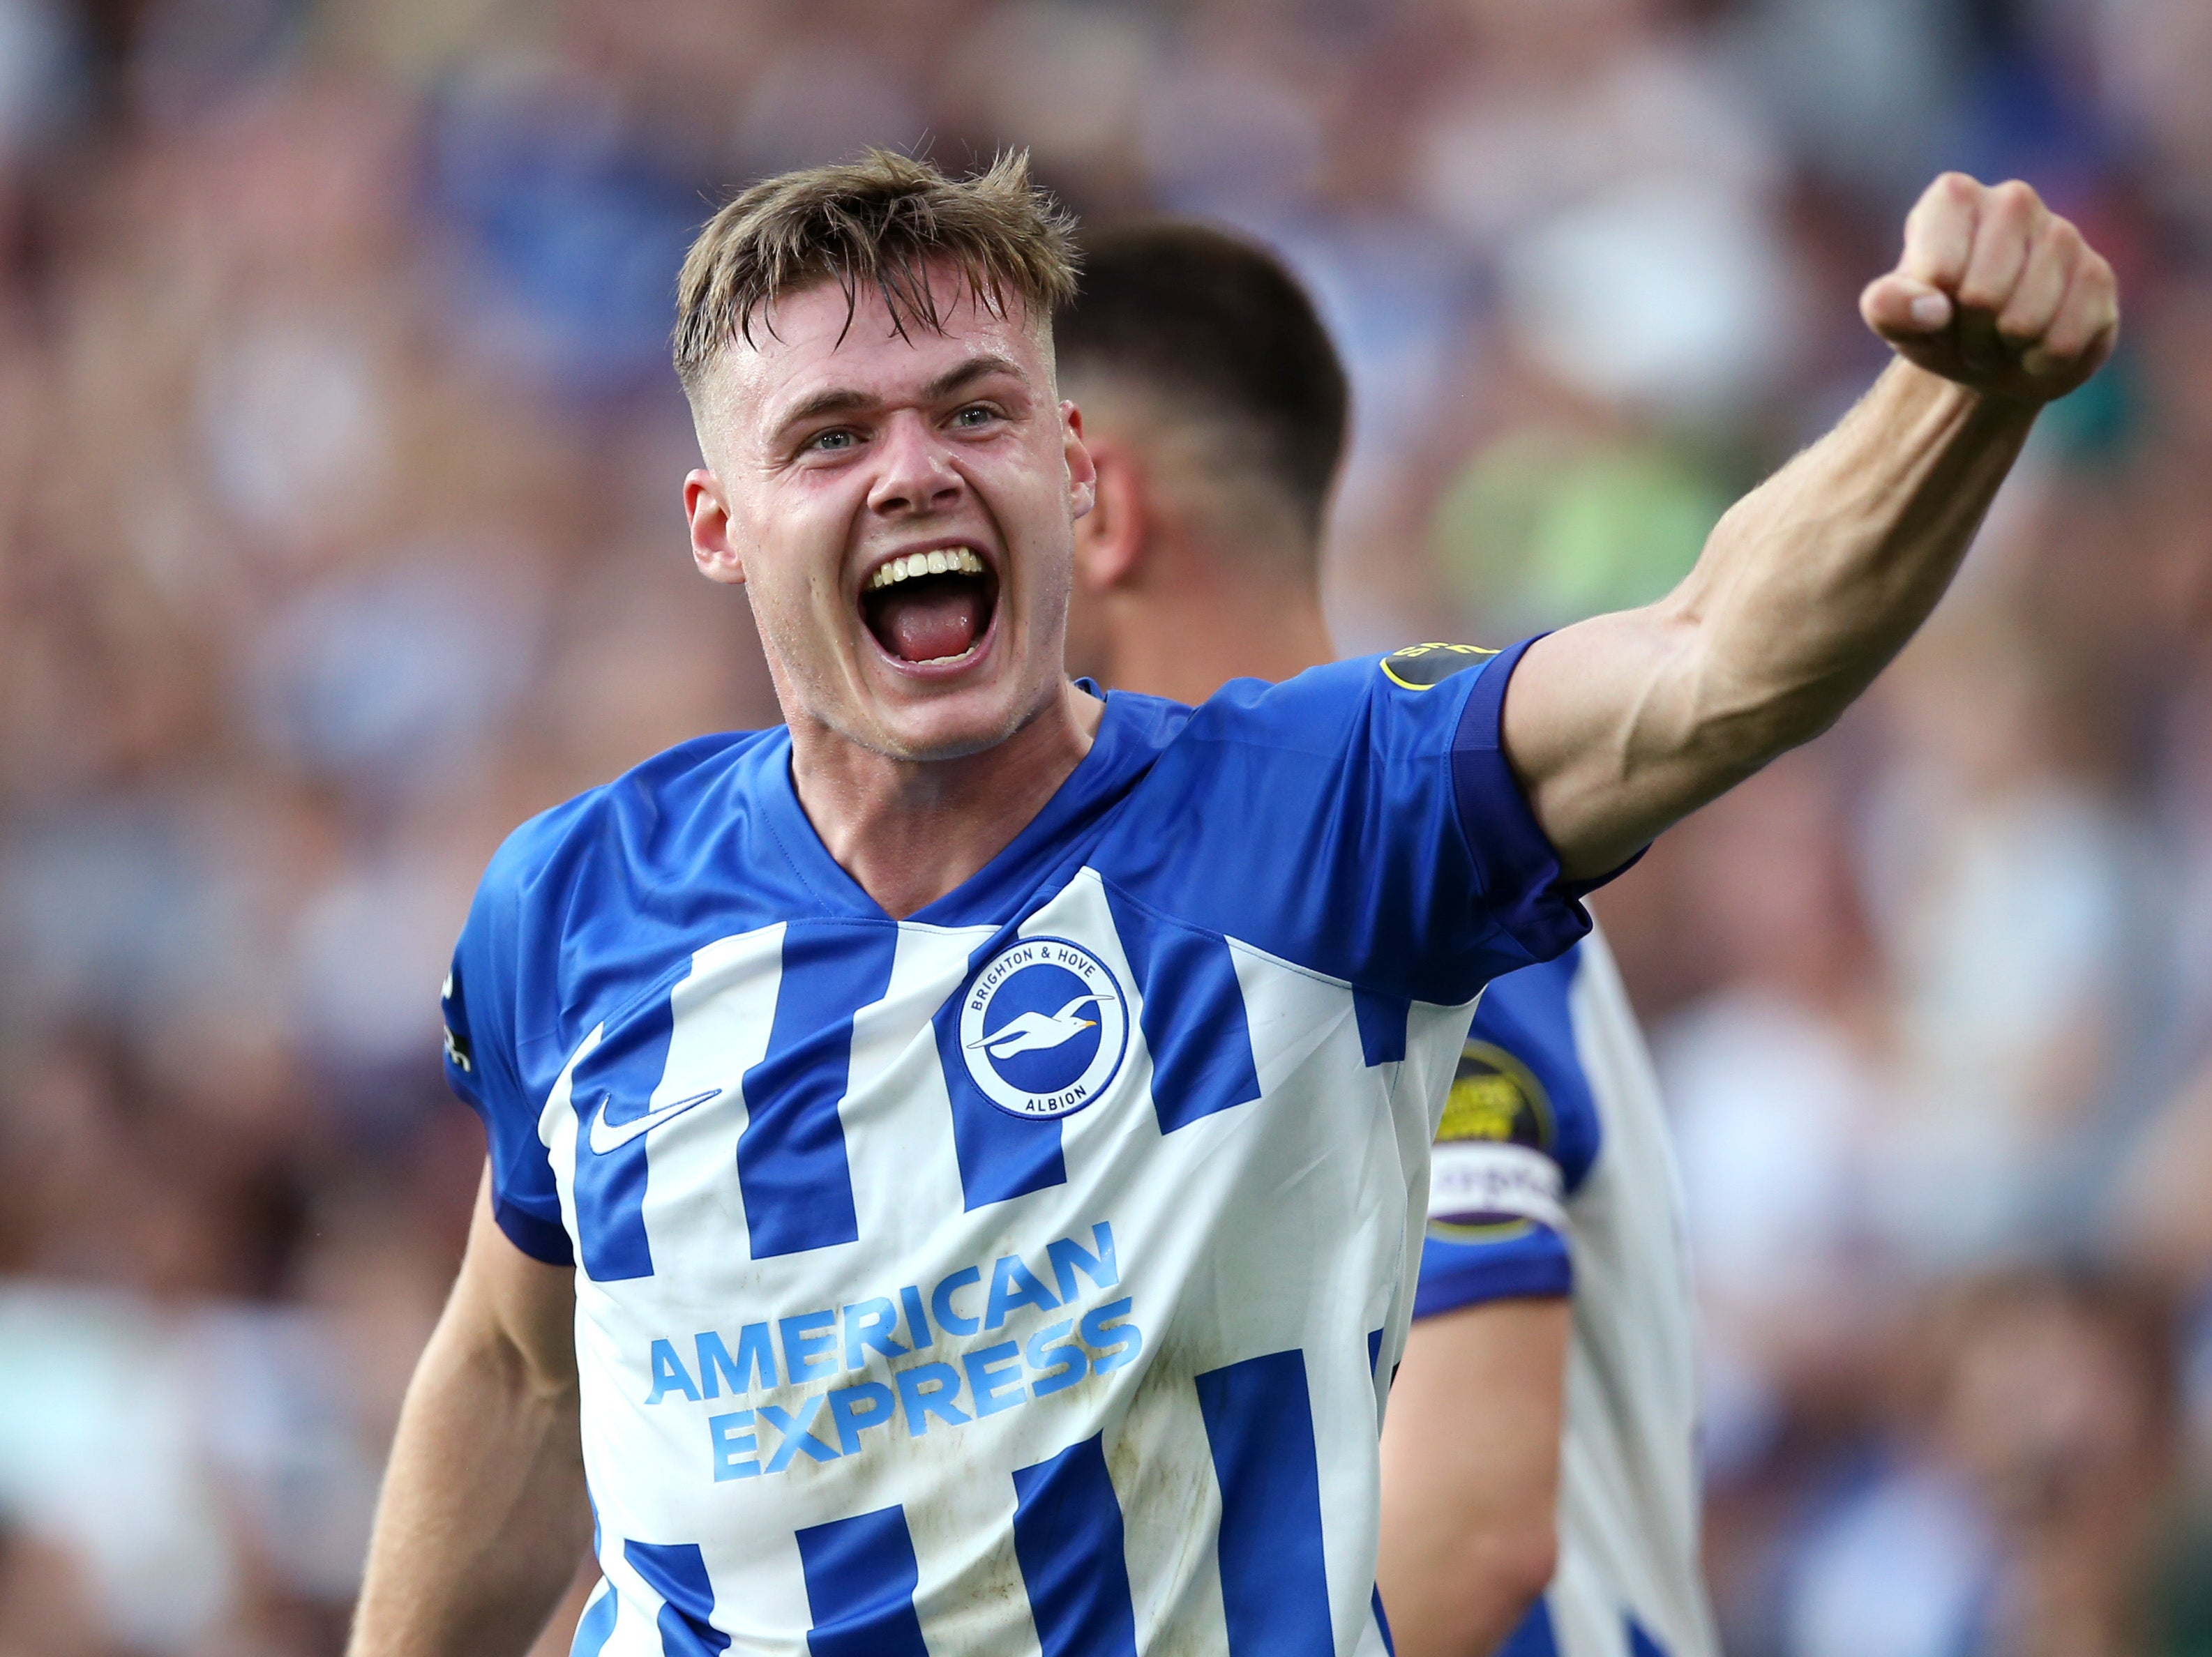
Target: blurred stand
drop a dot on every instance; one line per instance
(339, 531)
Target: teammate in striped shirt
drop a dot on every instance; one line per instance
(1215, 414)
(953, 1157)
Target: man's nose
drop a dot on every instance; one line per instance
(917, 474)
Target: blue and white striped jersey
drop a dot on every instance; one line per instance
(1554, 1175)
(1016, 1276)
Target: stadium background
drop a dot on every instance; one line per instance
(338, 531)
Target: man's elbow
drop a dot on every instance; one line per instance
(1505, 1572)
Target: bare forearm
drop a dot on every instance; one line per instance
(483, 1514)
(1812, 583)
(1468, 1493)
(1803, 593)
(1815, 580)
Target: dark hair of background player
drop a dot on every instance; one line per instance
(1220, 327)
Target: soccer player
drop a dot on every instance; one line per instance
(1214, 412)
(951, 1154)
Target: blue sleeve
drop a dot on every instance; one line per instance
(481, 1068)
(1359, 820)
(1527, 1261)
(1519, 1135)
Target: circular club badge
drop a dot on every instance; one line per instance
(1044, 1028)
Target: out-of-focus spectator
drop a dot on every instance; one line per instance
(2016, 1505)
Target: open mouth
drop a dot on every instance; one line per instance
(932, 608)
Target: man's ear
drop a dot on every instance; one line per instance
(1109, 539)
(712, 549)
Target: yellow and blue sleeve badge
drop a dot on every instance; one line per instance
(1419, 667)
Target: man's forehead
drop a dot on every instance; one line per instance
(811, 340)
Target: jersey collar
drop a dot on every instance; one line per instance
(1039, 859)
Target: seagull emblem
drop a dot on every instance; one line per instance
(1034, 1032)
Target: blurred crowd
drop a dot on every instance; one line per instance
(340, 530)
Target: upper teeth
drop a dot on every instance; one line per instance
(945, 561)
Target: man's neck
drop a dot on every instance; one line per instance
(909, 831)
(1185, 645)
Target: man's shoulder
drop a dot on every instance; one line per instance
(652, 811)
(1308, 713)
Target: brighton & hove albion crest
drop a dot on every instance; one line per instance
(1044, 1028)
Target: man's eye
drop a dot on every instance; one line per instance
(831, 440)
(975, 415)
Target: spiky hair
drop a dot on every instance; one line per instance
(876, 223)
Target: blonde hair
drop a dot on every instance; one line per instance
(878, 222)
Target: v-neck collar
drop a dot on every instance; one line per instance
(1118, 755)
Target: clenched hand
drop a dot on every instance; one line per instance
(1996, 292)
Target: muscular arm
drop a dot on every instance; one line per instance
(1622, 723)
(1470, 1475)
(484, 1514)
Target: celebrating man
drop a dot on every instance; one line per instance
(953, 1156)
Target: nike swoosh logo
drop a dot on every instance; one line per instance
(604, 1138)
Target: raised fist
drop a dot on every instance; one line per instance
(1996, 292)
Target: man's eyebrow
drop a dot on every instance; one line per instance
(845, 399)
(975, 368)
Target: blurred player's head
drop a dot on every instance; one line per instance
(1215, 408)
(867, 350)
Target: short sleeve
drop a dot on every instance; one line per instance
(481, 1067)
(1521, 1260)
(1518, 1136)
(1360, 820)
(1528, 896)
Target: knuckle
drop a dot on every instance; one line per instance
(2015, 196)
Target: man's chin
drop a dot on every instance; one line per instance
(944, 728)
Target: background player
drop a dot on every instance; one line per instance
(1215, 416)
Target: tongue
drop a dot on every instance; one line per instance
(942, 619)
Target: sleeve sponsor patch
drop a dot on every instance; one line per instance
(1492, 1171)
(1494, 1096)
(457, 1053)
(1417, 667)
(1476, 1187)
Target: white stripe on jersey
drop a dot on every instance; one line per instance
(1629, 1503)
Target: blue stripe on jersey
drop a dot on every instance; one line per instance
(676, 1572)
(1067, 1536)
(614, 1082)
(597, 1624)
(1194, 1014)
(791, 1167)
(1374, 1351)
(1000, 1154)
(1381, 1025)
(1533, 1638)
(1383, 1623)
(1641, 1644)
(1274, 1576)
(861, 1578)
